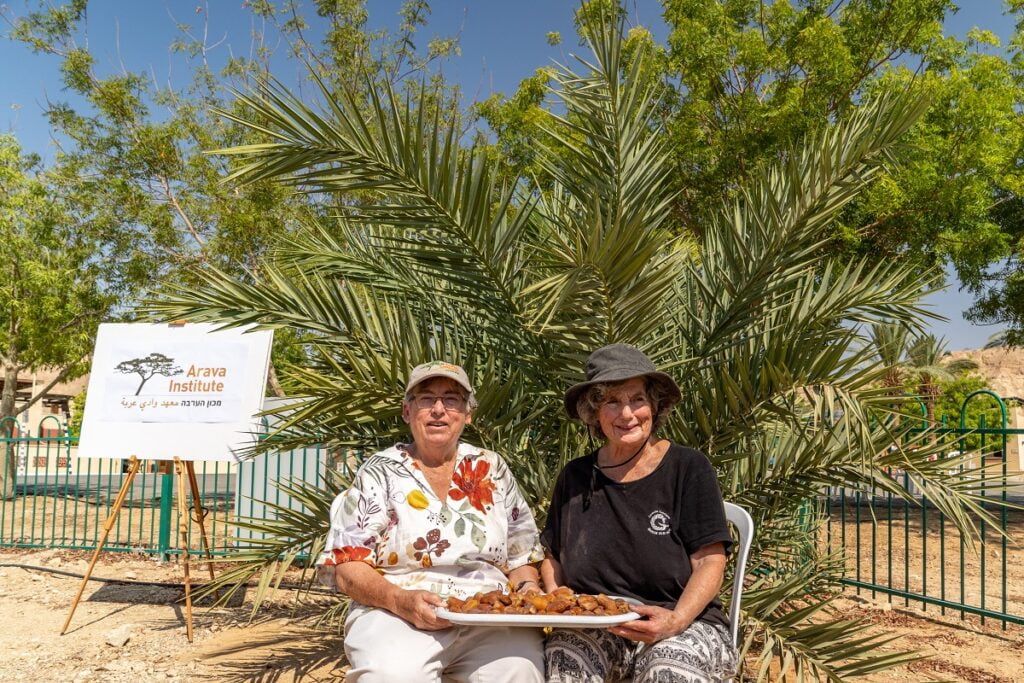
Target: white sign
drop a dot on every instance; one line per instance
(160, 392)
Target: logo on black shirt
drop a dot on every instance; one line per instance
(659, 523)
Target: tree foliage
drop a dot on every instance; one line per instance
(138, 147)
(889, 343)
(741, 80)
(58, 279)
(139, 144)
(952, 395)
(744, 79)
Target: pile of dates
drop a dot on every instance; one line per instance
(561, 601)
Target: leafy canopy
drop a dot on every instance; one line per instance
(136, 146)
(743, 80)
(58, 280)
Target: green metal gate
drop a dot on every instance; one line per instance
(911, 552)
(61, 501)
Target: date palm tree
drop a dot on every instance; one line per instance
(925, 368)
(997, 340)
(889, 341)
(430, 253)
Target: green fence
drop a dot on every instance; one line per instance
(60, 501)
(912, 553)
(906, 552)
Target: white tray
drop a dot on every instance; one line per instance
(559, 620)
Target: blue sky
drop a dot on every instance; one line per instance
(502, 42)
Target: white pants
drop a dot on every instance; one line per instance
(383, 648)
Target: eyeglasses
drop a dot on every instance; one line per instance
(428, 401)
(615, 404)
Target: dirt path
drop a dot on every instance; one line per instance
(276, 648)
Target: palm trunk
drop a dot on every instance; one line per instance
(893, 382)
(930, 392)
(275, 385)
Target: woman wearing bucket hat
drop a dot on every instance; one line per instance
(639, 517)
(434, 517)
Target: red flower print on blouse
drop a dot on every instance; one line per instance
(348, 553)
(472, 482)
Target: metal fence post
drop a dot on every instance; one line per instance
(166, 510)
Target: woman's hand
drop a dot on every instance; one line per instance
(708, 564)
(417, 607)
(660, 623)
(551, 573)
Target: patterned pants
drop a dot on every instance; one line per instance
(700, 654)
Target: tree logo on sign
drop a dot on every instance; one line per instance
(148, 367)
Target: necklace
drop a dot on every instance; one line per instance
(632, 457)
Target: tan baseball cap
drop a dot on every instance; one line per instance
(439, 368)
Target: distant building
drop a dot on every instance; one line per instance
(56, 402)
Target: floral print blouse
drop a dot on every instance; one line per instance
(392, 520)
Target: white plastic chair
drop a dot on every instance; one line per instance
(739, 518)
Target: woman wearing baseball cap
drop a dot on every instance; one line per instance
(640, 517)
(430, 518)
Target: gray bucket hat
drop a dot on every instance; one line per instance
(617, 363)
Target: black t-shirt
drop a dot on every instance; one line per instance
(634, 539)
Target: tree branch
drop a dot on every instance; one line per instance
(173, 199)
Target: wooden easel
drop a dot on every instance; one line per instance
(185, 470)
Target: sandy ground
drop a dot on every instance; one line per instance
(954, 650)
(279, 645)
(282, 644)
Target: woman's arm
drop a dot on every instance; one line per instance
(551, 573)
(526, 576)
(362, 583)
(707, 572)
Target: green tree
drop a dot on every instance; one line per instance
(744, 79)
(77, 411)
(952, 394)
(59, 281)
(518, 281)
(925, 370)
(915, 366)
(140, 146)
